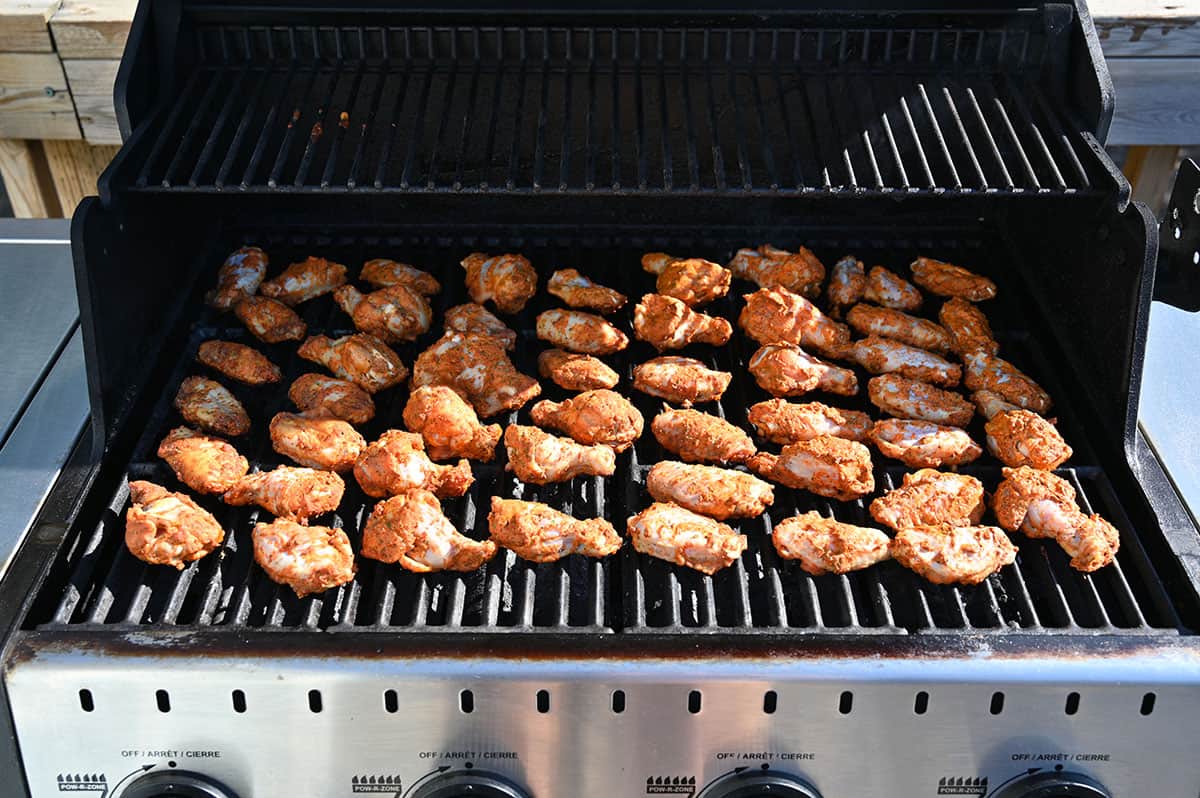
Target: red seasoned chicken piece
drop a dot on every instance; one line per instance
(308, 559)
(165, 528)
(575, 372)
(579, 292)
(209, 405)
(675, 534)
(342, 398)
(238, 278)
(899, 326)
(946, 554)
(847, 285)
(783, 369)
(890, 290)
(968, 328)
(478, 369)
(509, 281)
(882, 355)
(985, 372)
(448, 425)
(540, 458)
(289, 492)
(411, 529)
(539, 533)
(799, 272)
(667, 323)
(308, 279)
(269, 320)
(928, 498)
(394, 314)
(577, 331)
(825, 546)
(700, 438)
(203, 463)
(317, 439)
(693, 281)
(946, 279)
(475, 318)
(1019, 437)
(719, 493)
(604, 417)
(776, 315)
(1042, 505)
(238, 362)
(382, 272)
(780, 421)
(362, 359)
(827, 466)
(397, 462)
(902, 397)
(682, 380)
(923, 444)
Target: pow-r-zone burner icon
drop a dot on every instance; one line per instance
(376, 784)
(671, 785)
(962, 785)
(82, 782)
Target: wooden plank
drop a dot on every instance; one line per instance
(25, 26)
(92, 28)
(92, 90)
(1158, 101)
(1147, 27)
(74, 167)
(34, 100)
(27, 179)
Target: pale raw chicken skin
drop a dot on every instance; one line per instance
(902, 397)
(539, 533)
(412, 530)
(826, 546)
(593, 417)
(202, 462)
(1043, 505)
(847, 284)
(946, 279)
(719, 493)
(289, 492)
(783, 369)
(776, 315)
(1019, 437)
(342, 398)
(165, 528)
(394, 314)
(580, 292)
(675, 534)
(581, 332)
(899, 326)
(701, 438)
(827, 466)
(475, 318)
(508, 281)
(883, 355)
(238, 362)
(478, 369)
(317, 439)
(308, 279)
(682, 380)
(800, 272)
(986, 372)
(397, 462)
(967, 327)
(210, 406)
(923, 444)
(780, 421)
(693, 281)
(362, 359)
(308, 559)
(269, 320)
(238, 278)
(575, 372)
(947, 555)
(381, 272)
(539, 458)
(667, 323)
(448, 425)
(927, 498)
(886, 288)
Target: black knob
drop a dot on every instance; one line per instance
(468, 784)
(760, 784)
(177, 784)
(1054, 784)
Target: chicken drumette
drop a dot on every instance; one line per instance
(165, 528)
(890, 290)
(269, 320)
(289, 492)
(539, 533)
(397, 462)
(474, 318)
(667, 323)
(767, 266)
(825, 546)
(238, 278)
(899, 326)
(700, 438)
(411, 529)
(783, 369)
(577, 331)
(575, 372)
(968, 328)
(1019, 437)
(308, 279)
(827, 466)
(902, 397)
(883, 356)
(776, 315)
(780, 421)
(675, 534)
(238, 362)
(210, 406)
(342, 398)
(923, 444)
(693, 281)
(928, 498)
(946, 279)
(539, 458)
(1042, 505)
(509, 281)
(382, 272)
(579, 292)
(478, 369)
(719, 493)
(987, 373)
(604, 417)
(393, 314)
(946, 554)
(448, 425)
(203, 463)
(682, 380)
(362, 359)
(308, 559)
(846, 285)
(317, 439)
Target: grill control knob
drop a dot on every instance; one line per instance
(1054, 784)
(468, 784)
(177, 784)
(760, 784)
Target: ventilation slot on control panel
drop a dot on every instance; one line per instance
(1148, 703)
(694, 702)
(543, 701)
(618, 701)
(921, 703)
(846, 702)
(1072, 705)
(391, 701)
(163, 700)
(85, 700)
(314, 700)
(239, 701)
(466, 702)
(997, 705)
(770, 702)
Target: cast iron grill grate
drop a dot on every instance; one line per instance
(98, 585)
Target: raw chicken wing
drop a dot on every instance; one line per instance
(539, 533)
(883, 355)
(269, 320)
(800, 272)
(411, 529)
(289, 492)
(890, 290)
(846, 285)
(164, 528)
(577, 331)
(947, 554)
(393, 314)
(682, 380)
(968, 328)
(308, 559)
(928, 498)
(902, 397)
(693, 281)
(539, 458)
(475, 318)
(825, 546)
(776, 315)
(780, 421)
(1042, 505)
(899, 326)
(1018, 437)
(783, 369)
(985, 372)
(397, 462)
(827, 466)
(700, 438)
(666, 323)
(579, 292)
(342, 398)
(448, 425)
(362, 359)
(575, 372)
(382, 272)
(923, 444)
(308, 279)
(509, 281)
(238, 362)
(676, 534)
(604, 417)
(238, 278)
(203, 463)
(478, 369)
(210, 406)
(946, 279)
(719, 493)
(317, 439)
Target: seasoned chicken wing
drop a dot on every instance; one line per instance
(883, 356)
(776, 315)
(923, 444)
(397, 462)
(700, 438)
(539, 458)
(165, 528)
(928, 498)
(719, 493)
(308, 559)
(783, 369)
(509, 281)
(475, 318)
(477, 367)
(575, 372)
(238, 362)
(780, 421)
(208, 405)
(946, 279)
(667, 323)
(946, 554)
(675, 534)
(604, 417)
(539, 533)
(448, 425)
(411, 529)
(1019, 437)
(203, 463)
(825, 546)
(899, 326)
(693, 281)
(890, 290)
(269, 320)
(682, 380)
(577, 331)
(362, 359)
(289, 492)
(238, 278)
(579, 292)
(308, 279)
(1042, 505)
(827, 466)
(799, 272)
(985, 372)
(317, 439)
(381, 272)
(393, 314)
(342, 398)
(846, 285)
(968, 328)
(902, 397)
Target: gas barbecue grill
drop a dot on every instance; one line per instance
(584, 139)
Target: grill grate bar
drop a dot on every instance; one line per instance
(955, 181)
(415, 132)
(342, 128)
(393, 124)
(289, 133)
(239, 135)
(143, 177)
(317, 130)
(211, 142)
(991, 140)
(1006, 121)
(962, 133)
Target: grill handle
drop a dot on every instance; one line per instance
(1177, 281)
